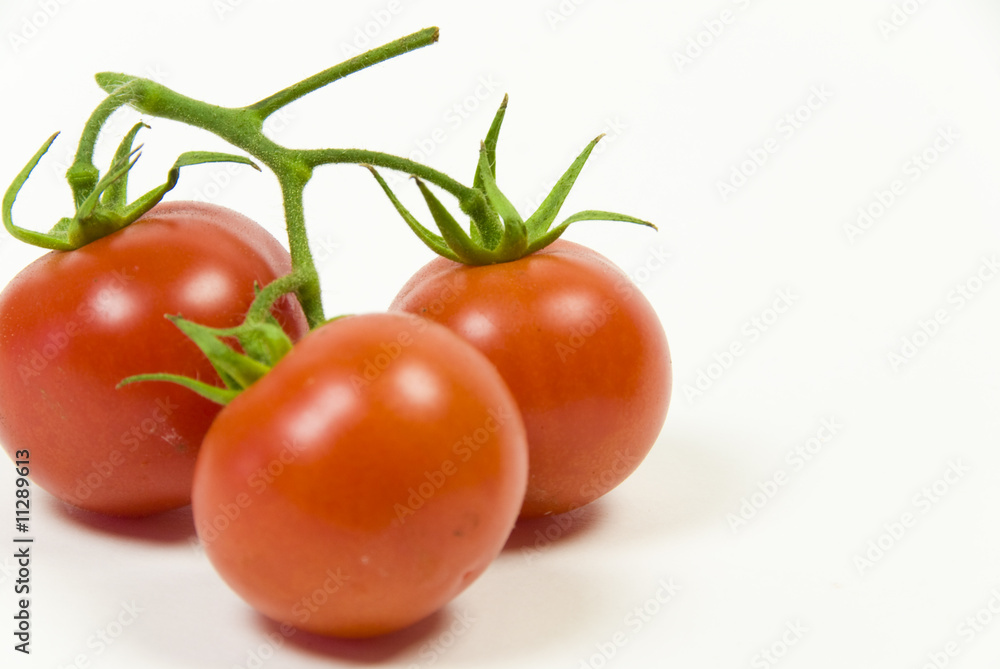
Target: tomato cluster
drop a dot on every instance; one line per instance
(361, 471)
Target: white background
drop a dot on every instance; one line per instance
(676, 131)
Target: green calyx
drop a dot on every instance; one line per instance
(102, 204)
(264, 343)
(497, 233)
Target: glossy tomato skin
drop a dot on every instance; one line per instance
(366, 480)
(581, 349)
(74, 324)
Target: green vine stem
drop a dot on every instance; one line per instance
(242, 127)
(498, 232)
(83, 175)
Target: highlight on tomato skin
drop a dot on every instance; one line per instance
(73, 324)
(581, 349)
(366, 480)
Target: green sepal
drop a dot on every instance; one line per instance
(236, 370)
(153, 197)
(487, 232)
(212, 393)
(589, 215)
(487, 228)
(454, 235)
(434, 242)
(115, 197)
(514, 242)
(265, 343)
(50, 241)
(93, 222)
(491, 146)
(98, 216)
(539, 222)
(60, 228)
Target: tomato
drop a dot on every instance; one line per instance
(364, 481)
(581, 349)
(74, 324)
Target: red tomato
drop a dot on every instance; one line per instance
(364, 481)
(74, 324)
(581, 349)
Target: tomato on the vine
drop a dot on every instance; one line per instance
(365, 480)
(581, 349)
(73, 324)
